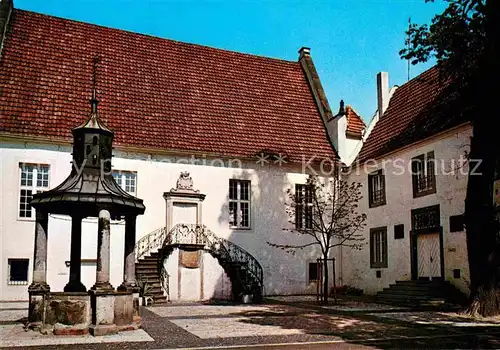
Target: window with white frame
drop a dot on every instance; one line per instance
(127, 180)
(239, 203)
(18, 271)
(34, 178)
(303, 206)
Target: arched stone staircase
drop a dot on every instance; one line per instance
(241, 267)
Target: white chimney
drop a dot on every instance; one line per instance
(382, 92)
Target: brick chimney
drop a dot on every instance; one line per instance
(382, 92)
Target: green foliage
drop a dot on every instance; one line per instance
(456, 38)
(145, 287)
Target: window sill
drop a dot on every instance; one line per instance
(303, 229)
(26, 219)
(374, 205)
(17, 283)
(424, 193)
(378, 266)
(236, 228)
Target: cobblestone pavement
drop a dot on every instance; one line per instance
(301, 325)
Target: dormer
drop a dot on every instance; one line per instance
(346, 130)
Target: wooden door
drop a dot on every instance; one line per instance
(429, 256)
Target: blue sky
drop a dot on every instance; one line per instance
(350, 40)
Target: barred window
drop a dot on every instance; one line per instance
(376, 189)
(427, 218)
(424, 175)
(315, 269)
(303, 206)
(34, 178)
(127, 180)
(239, 203)
(378, 247)
(18, 271)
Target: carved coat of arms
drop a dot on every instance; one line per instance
(184, 183)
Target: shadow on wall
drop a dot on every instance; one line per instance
(283, 273)
(262, 189)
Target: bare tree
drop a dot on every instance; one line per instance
(327, 213)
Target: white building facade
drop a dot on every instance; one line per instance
(152, 176)
(244, 138)
(394, 249)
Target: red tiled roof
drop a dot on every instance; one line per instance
(355, 124)
(154, 93)
(417, 110)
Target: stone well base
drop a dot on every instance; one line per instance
(74, 313)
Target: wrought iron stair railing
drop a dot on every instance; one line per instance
(244, 270)
(150, 242)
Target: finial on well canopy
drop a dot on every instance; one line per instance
(94, 101)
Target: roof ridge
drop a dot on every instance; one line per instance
(413, 114)
(281, 60)
(355, 112)
(415, 79)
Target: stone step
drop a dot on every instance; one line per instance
(410, 287)
(414, 292)
(150, 277)
(395, 296)
(410, 301)
(161, 301)
(153, 281)
(149, 258)
(436, 283)
(143, 270)
(147, 261)
(147, 270)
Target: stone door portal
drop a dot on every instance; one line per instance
(429, 259)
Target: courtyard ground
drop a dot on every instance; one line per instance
(290, 322)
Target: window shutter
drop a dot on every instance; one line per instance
(298, 206)
(370, 190)
(384, 248)
(372, 249)
(431, 171)
(382, 185)
(414, 175)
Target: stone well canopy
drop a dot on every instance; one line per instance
(90, 187)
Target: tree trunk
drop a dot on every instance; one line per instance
(482, 236)
(482, 241)
(325, 281)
